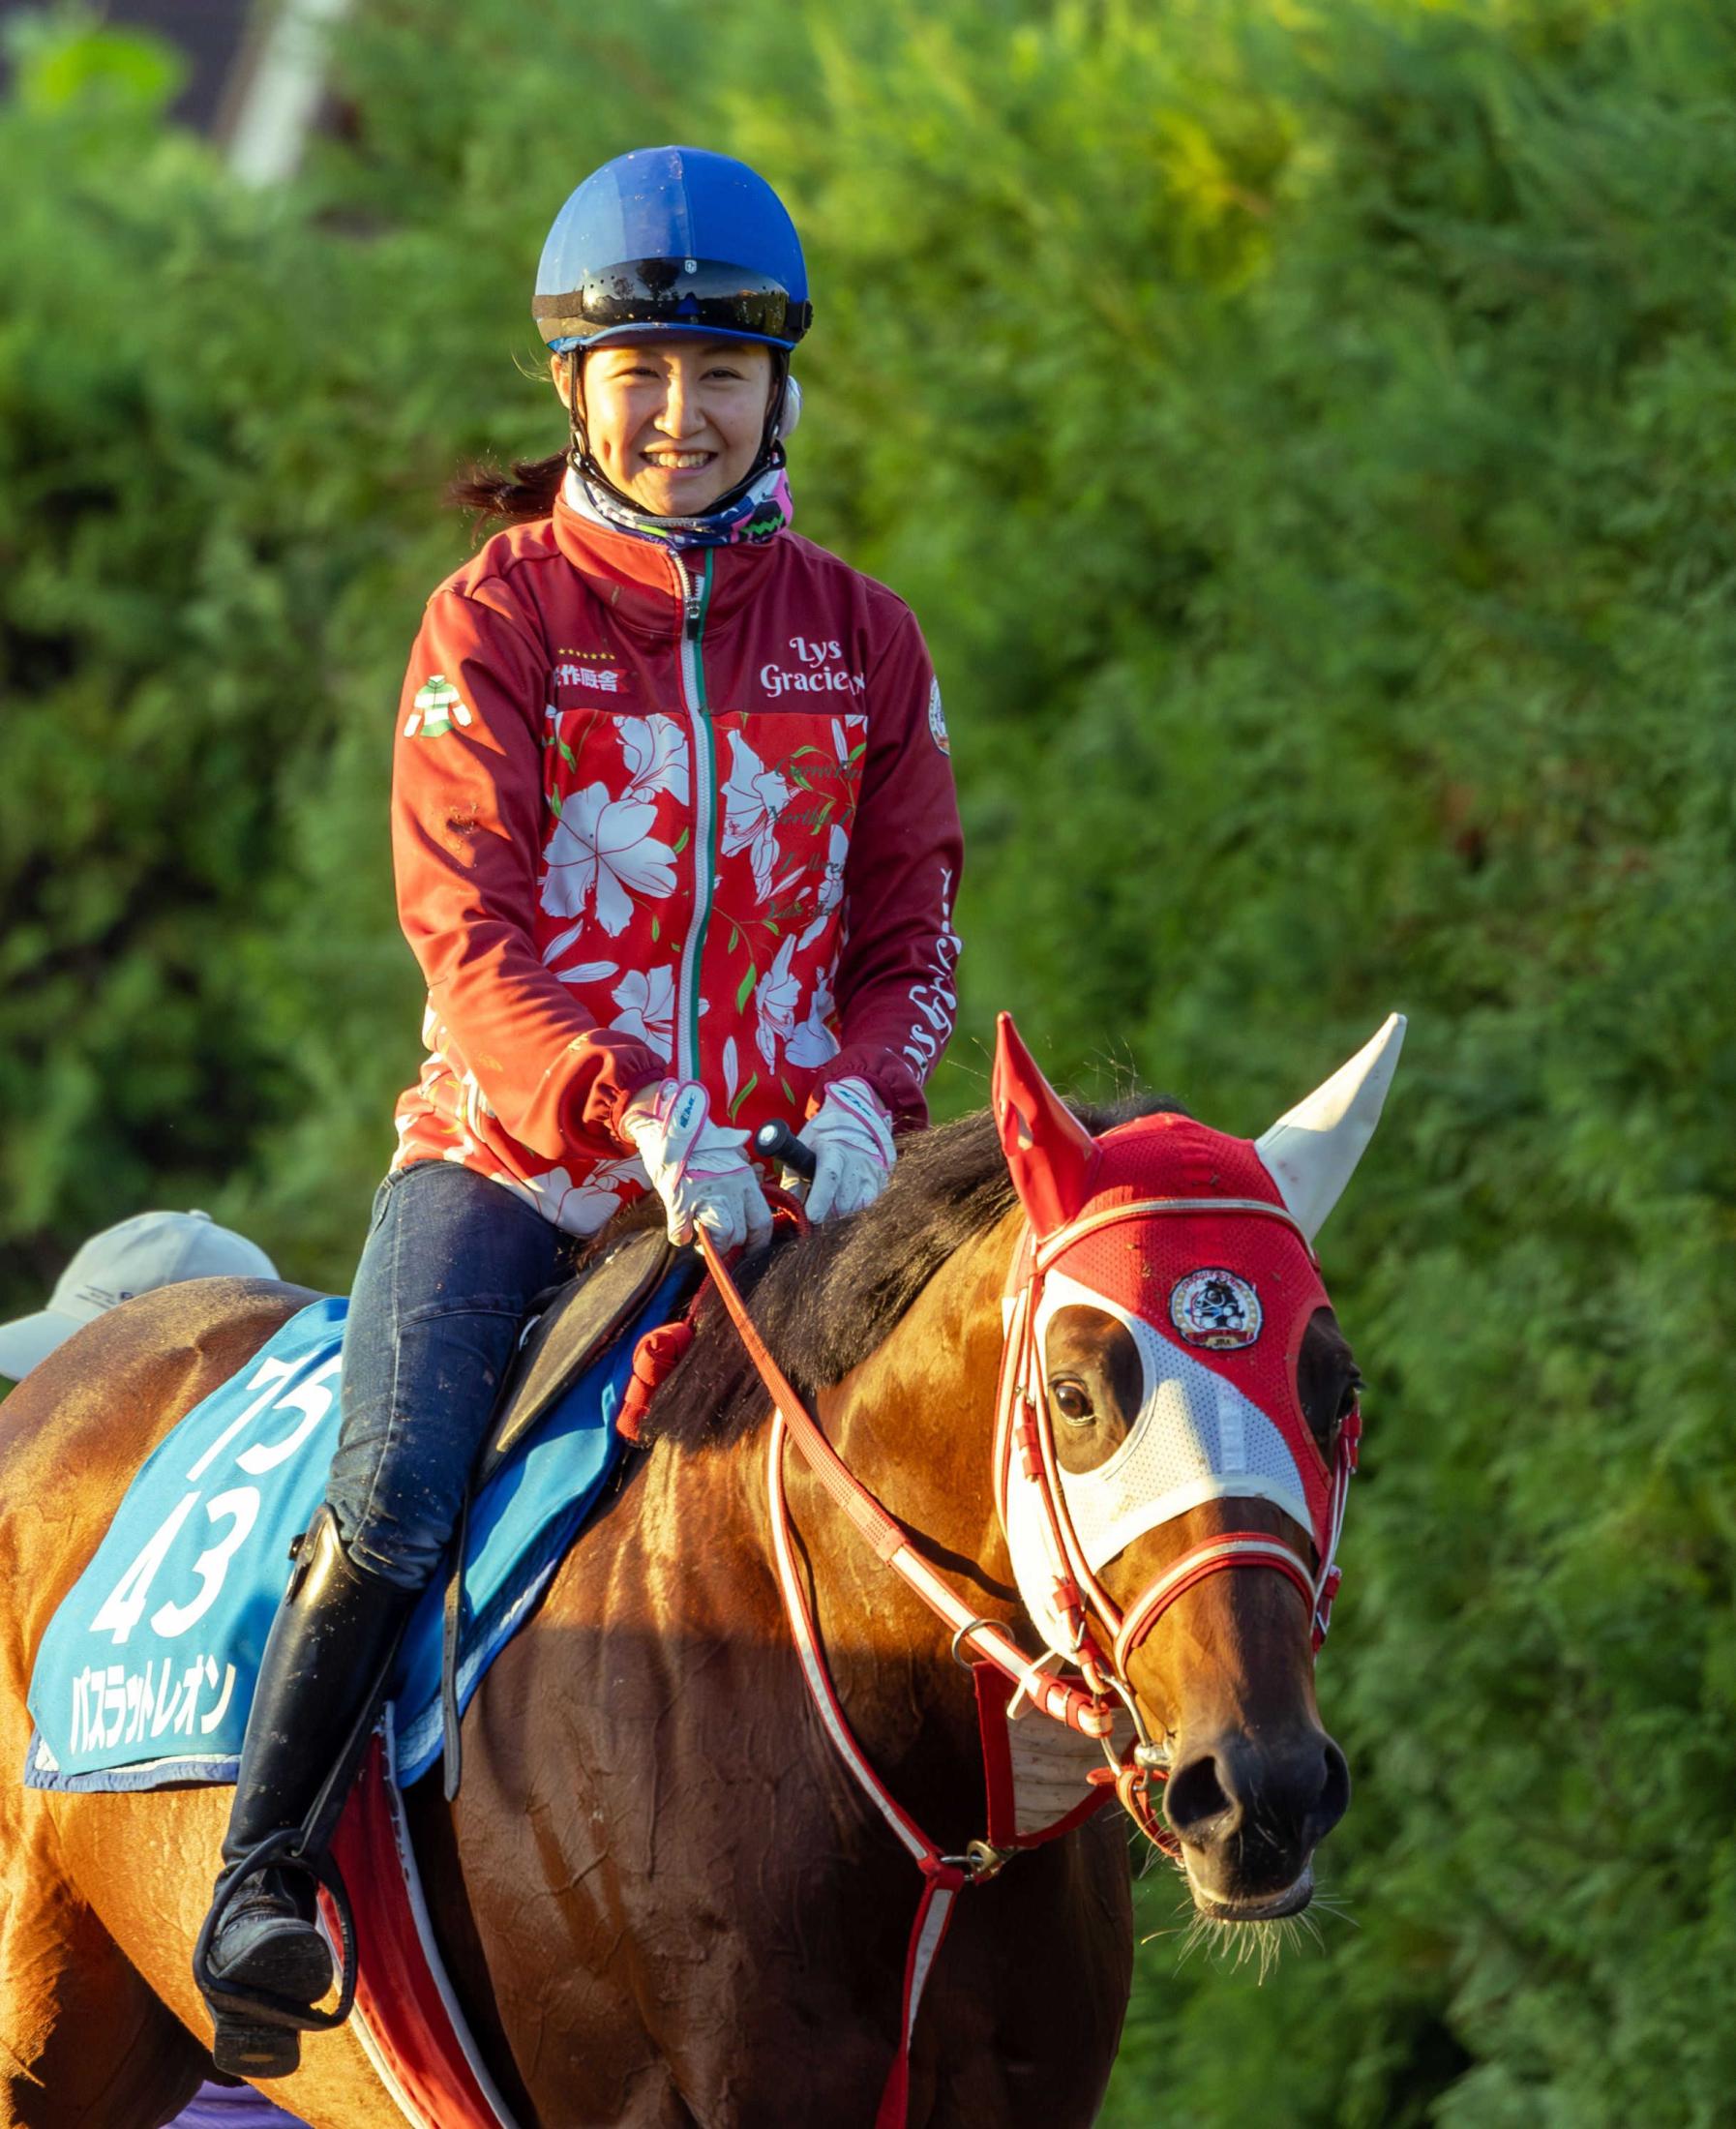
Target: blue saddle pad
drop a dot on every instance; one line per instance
(146, 1674)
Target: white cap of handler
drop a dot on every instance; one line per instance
(151, 1249)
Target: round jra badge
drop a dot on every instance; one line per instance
(937, 719)
(1216, 1309)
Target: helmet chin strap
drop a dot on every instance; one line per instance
(770, 452)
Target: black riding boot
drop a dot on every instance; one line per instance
(323, 1661)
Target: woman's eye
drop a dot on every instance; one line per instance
(1071, 1402)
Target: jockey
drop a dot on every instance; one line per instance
(676, 847)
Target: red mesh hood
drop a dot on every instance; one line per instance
(1167, 1266)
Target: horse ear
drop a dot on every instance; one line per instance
(1053, 1157)
(1311, 1152)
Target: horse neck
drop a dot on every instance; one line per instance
(686, 1563)
(915, 1423)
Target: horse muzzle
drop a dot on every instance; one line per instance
(1248, 1811)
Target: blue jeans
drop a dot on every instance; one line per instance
(450, 1268)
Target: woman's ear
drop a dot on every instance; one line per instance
(791, 413)
(560, 368)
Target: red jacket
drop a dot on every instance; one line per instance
(659, 812)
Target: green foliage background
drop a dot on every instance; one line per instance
(1307, 433)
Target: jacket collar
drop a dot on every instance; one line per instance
(644, 584)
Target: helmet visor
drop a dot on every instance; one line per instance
(686, 295)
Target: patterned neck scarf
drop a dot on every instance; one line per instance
(758, 513)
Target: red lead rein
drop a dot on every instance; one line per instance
(945, 1876)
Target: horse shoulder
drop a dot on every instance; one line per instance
(606, 1859)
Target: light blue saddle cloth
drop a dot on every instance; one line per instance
(146, 1673)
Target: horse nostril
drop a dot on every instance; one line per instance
(1282, 1798)
(1333, 1799)
(1197, 1805)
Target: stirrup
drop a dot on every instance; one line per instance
(246, 2048)
(244, 2014)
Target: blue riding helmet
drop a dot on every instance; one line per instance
(672, 240)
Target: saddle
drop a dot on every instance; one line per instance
(571, 1328)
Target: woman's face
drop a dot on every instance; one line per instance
(673, 422)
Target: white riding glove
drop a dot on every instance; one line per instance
(697, 1168)
(850, 1138)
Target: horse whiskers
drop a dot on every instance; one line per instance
(1245, 1943)
(1149, 1855)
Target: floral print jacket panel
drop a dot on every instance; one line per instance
(665, 813)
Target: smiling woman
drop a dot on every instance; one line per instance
(626, 837)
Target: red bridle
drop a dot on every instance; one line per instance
(1101, 1636)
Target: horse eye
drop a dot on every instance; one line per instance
(1348, 1402)
(1071, 1402)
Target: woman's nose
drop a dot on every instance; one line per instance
(679, 416)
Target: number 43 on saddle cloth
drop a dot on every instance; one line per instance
(145, 1674)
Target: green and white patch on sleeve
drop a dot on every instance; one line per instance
(438, 706)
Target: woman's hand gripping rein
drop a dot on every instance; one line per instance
(850, 1138)
(698, 1168)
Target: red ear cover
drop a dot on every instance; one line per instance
(1053, 1158)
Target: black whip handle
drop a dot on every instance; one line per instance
(776, 1141)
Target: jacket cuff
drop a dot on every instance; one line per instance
(891, 1075)
(596, 1109)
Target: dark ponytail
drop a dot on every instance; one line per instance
(500, 497)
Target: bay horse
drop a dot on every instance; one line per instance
(660, 1894)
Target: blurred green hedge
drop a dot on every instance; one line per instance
(1308, 438)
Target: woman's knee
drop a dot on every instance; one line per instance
(408, 1444)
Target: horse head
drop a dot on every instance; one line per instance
(1177, 1402)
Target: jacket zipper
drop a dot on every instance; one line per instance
(695, 599)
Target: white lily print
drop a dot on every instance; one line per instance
(753, 798)
(831, 887)
(647, 1002)
(579, 972)
(601, 854)
(813, 1042)
(582, 1207)
(655, 748)
(776, 998)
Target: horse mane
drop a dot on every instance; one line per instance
(826, 1301)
